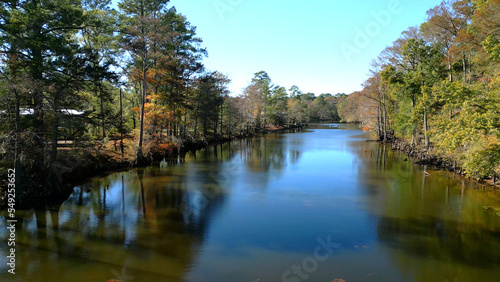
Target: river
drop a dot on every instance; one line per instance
(316, 205)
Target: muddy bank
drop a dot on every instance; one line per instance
(422, 156)
(425, 157)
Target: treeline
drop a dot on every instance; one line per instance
(82, 72)
(264, 103)
(86, 74)
(438, 87)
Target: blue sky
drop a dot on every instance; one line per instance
(320, 46)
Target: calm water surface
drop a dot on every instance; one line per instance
(317, 205)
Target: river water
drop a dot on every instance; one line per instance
(316, 205)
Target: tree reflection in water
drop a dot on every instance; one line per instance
(439, 216)
(251, 208)
(150, 222)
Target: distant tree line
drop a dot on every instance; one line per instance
(264, 103)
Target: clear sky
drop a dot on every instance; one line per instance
(321, 46)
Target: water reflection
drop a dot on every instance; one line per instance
(427, 216)
(251, 209)
(268, 153)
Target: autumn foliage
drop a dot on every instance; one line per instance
(438, 87)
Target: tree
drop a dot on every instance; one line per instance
(141, 32)
(46, 53)
(484, 29)
(278, 105)
(179, 59)
(415, 91)
(100, 46)
(211, 92)
(420, 70)
(443, 25)
(298, 110)
(295, 91)
(258, 93)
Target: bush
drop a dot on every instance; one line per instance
(482, 164)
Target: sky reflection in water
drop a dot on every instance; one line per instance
(254, 208)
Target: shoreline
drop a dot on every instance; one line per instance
(422, 156)
(73, 170)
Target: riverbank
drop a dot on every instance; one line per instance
(330, 181)
(422, 156)
(74, 167)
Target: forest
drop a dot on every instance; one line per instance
(81, 81)
(83, 84)
(125, 157)
(437, 87)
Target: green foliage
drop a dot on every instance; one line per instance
(483, 162)
(278, 106)
(298, 111)
(439, 83)
(442, 85)
(492, 45)
(210, 93)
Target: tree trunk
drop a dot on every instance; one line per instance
(204, 128)
(384, 112)
(470, 65)
(215, 126)
(102, 113)
(140, 155)
(121, 123)
(196, 119)
(17, 152)
(141, 126)
(221, 120)
(37, 70)
(185, 127)
(55, 133)
(464, 62)
(450, 69)
(426, 128)
(379, 122)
